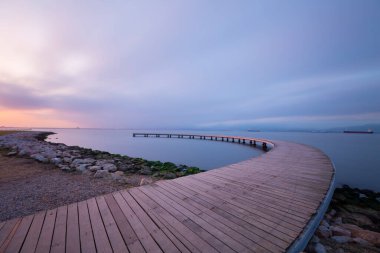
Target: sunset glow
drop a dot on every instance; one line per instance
(189, 64)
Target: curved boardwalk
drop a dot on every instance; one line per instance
(271, 203)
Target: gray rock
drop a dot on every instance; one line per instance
(67, 159)
(338, 220)
(325, 223)
(361, 241)
(65, 168)
(315, 239)
(339, 231)
(56, 160)
(89, 161)
(23, 152)
(102, 174)
(332, 212)
(118, 175)
(39, 158)
(12, 153)
(170, 176)
(81, 167)
(378, 199)
(76, 162)
(340, 250)
(319, 248)
(323, 232)
(341, 239)
(362, 196)
(109, 167)
(145, 170)
(94, 168)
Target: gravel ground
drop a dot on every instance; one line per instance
(27, 186)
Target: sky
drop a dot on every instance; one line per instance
(189, 64)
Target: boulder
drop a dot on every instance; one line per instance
(339, 231)
(370, 236)
(145, 170)
(94, 168)
(102, 174)
(82, 167)
(323, 232)
(109, 167)
(341, 239)
(169, 176)
(39, 158)
(145, 181)
(361, 241)
(77, 161)
(118, 175)
(319, 248)
(12, 153)
(56, 160)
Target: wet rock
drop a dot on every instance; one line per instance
(362, 196)
(370, 236)
(102, 174)
(341, 239)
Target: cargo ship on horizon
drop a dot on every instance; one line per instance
(369, 131)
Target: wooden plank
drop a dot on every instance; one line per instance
(196, 240)
(87, 243)
(59, 234)
(31, 240)
(240, 234)
(6, 232)
(44, 241)
(270, 222)
(20, 235)
(129, 236)
(211, 218)
(145, 238)
(233, 214)
(72, 235)
(163, 241)
(100, 235)
(181, 242)
(113, 232)
(2, 224)
(215, 237)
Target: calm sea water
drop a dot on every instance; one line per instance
(356, 156)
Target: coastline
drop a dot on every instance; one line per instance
(38, 175)
(351, 223)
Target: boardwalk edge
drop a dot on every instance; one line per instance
(300, 244)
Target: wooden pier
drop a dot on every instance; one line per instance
(237, 139)
(271, 203)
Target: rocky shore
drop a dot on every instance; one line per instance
(352, 223)
(98, 164)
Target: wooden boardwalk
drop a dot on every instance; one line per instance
(271, 203)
